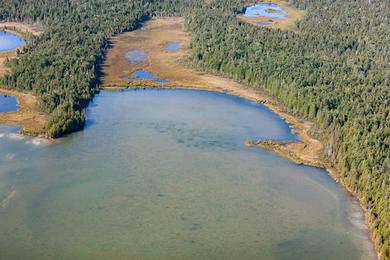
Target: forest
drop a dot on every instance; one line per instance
(334, 71)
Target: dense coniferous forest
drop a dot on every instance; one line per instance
(334, 71)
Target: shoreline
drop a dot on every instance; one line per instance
(20, 28)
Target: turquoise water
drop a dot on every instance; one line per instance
(265, 10)
(8, 103)
(10, 41)
(136, 56)
(174, 46)
(164, 174)
(144, 75)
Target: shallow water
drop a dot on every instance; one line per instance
(142, 74)
(10, 41)
(164, 174)
(174, 46)
(265, 10)
(136, 56)
(8, 103)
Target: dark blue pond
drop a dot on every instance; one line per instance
(266, 10)
(8, 104)
(10, 41)
(144, 75)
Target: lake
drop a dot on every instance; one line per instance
(10, 41)
(265, 10)
(164, 174)
(8, 103)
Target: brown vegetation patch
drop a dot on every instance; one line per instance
(288, 23)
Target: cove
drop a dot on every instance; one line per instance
(266, 10)
(164, 174)
(10, 41)
(8, 103)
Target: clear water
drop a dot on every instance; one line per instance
(266, 11)
(8, 104)
(136, 56)
(10, 41)
(144, 75)
(173, 46)
(164, 174)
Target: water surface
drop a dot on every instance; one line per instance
(266, 10)
(164, 174)
(8, 103)
(10, 41)
(144, 75)
(174, 46)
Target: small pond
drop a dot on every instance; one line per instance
(8, 104)
(144, 75)
(174, 46)
(10, 41)
(265, 10)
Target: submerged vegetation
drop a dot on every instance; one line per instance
(335, 70)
